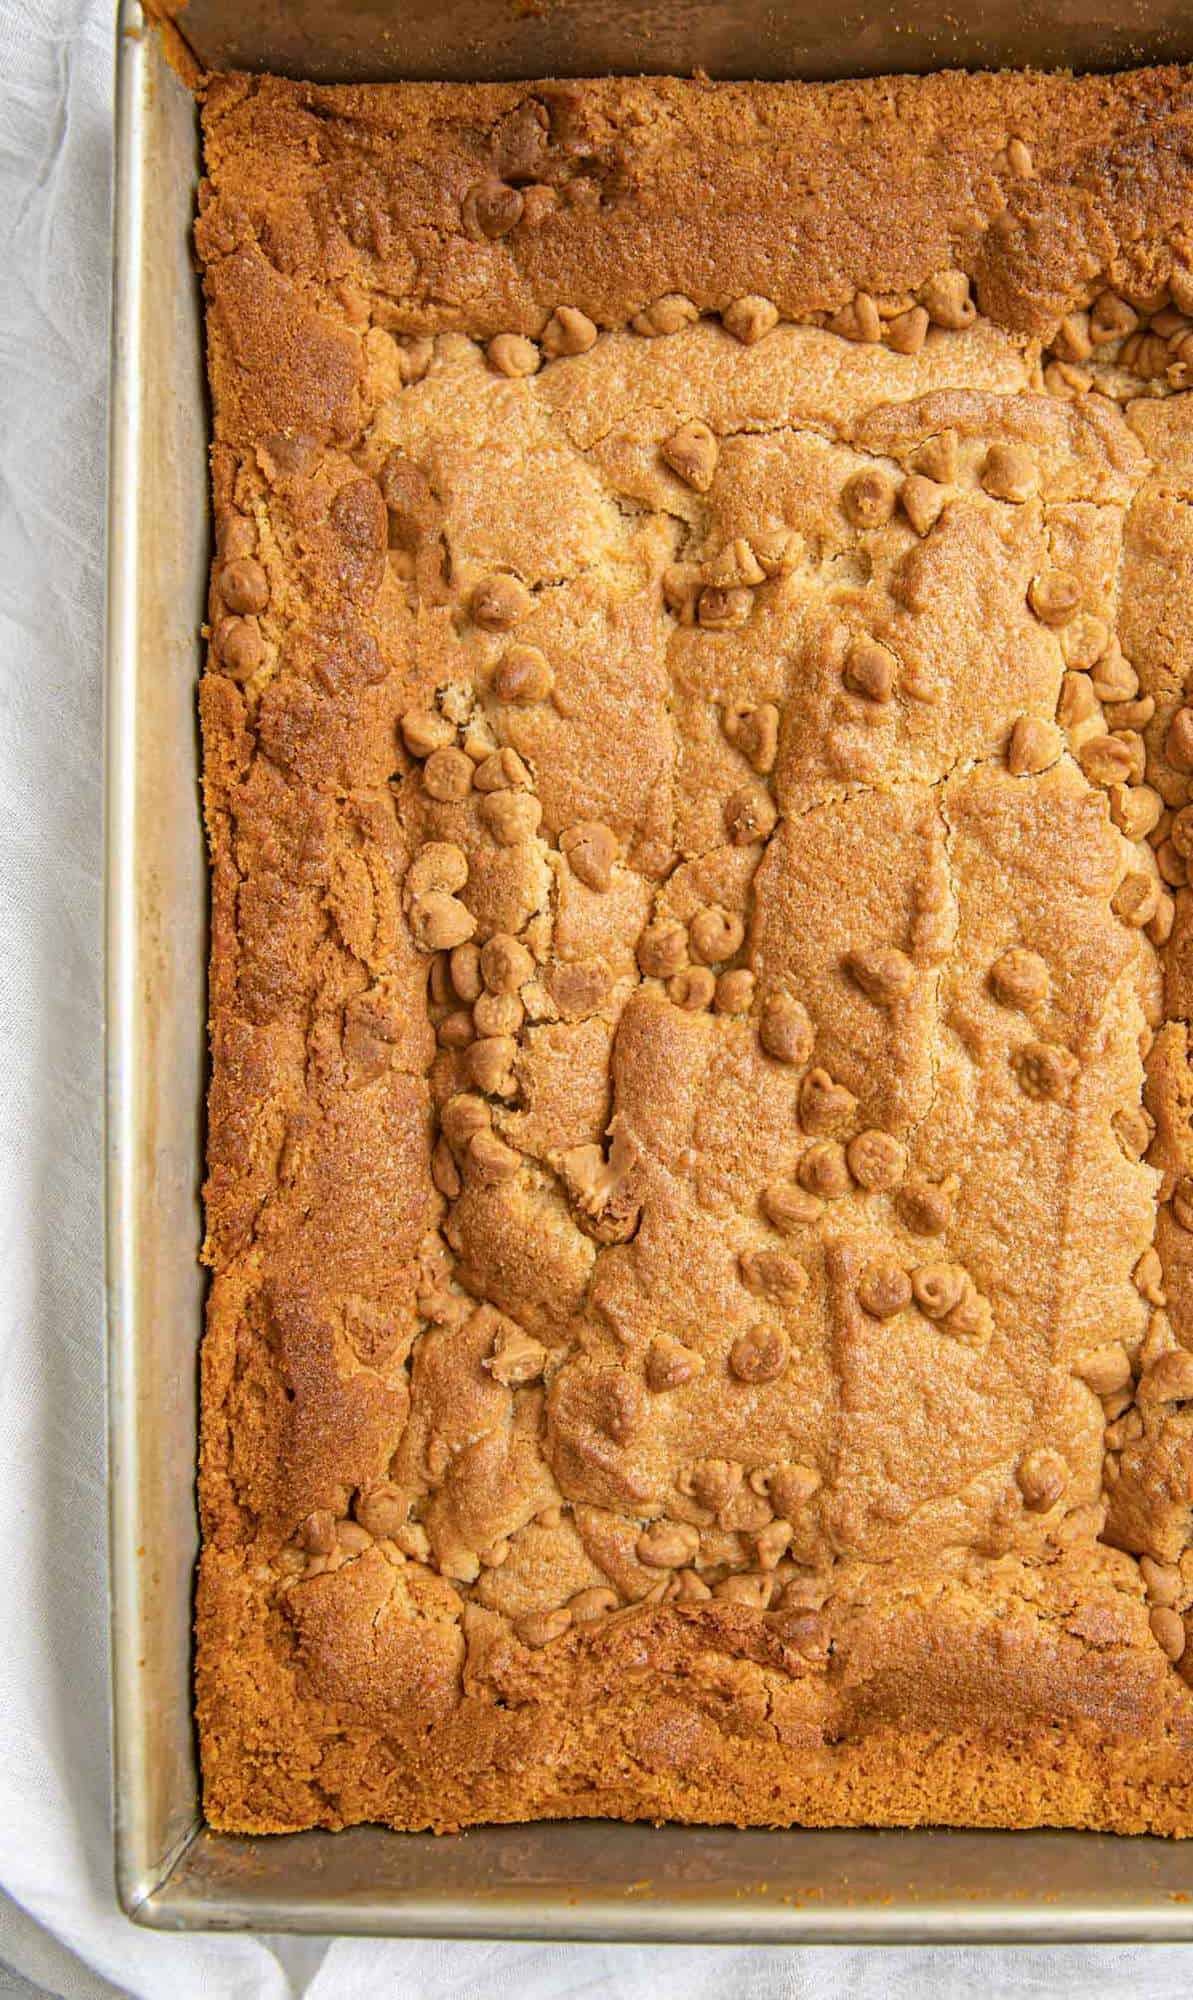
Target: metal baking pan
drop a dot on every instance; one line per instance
(584, 1879)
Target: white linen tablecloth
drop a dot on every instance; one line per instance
(59, 1926)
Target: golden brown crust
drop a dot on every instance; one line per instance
(696, 778)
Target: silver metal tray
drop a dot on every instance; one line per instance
(586, 1879)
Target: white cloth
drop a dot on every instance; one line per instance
(59, 1926)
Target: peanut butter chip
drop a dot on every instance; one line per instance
(1042, 1477)
(1169, 1633)
(750, 318)
(936, 458)
(523, 675)
(884, 974)
(1019, 978)
(759, 1355)
(876, 1160)
(494, 208)
(669, 1364)
(568, 332)
(424, 730)
(938, 1288)
(439, 922)
(868, 499)
(715, 935)
(240, 646)
(1178, 743)
(440, 864)
(1105, 1370)
(505, 964)
(244, 586)
(789, 1207)
(591, 849)
(785, 1029)
(499, 603)
(870, 670)
(1170, 1376)
(447, 775)
(593, 1603)
(516, 1358)
(922, 500)
(750, 815)
(1182, 1202)
(734, 992)
(773, 1274)
(540, 1628)
(824, 1171)
(825, 1106)
(925, 1207)
(511, 817)
(491, 1161)
(691, 452)
(1162, 1581)
(501, 771)
(721, 610)
(1045, 1071)
(663, 949)
(753, 731)
(692, 989)
(1034, 745)
(1054, 596)
(884, 1288)
(513, 355)
(490, 1065)
(670, 314)
(1108, 760)
(668, 1545)
(907, 332)
(946, 299)
(1136, 899)
(1009, 474)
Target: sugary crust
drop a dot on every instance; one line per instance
(696, 770)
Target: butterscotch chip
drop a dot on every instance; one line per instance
(1112, 677)
(859, 320)
(524, 674)
(494, 207)
(748, 319)
(870, 670)
(734, 992)
(465, 969)
(464, 1115)
(868, 498)
(596, 1602)
(947, 302)
(1178, 743)
(499, 603)
(1135, 809)
(1105, 1370)
(568, 332)
(542, 1628)
(790, 1207)
(502, 771)
(1107, 760)
(1172, 868)
(824, 1170)
(1045, 1071)
(513, 355)
(715, 935)
(692, 453)
(447, 775)
(244, 586)
(497, 1014)
(1054, 596)
(884, 974)
(490, 1065)
(937, 457)
(492, 1162)
(825, 1106)
(1009, 473)
(1034, 745)
(1137, 898)
(1042, 1477)
(884, 1288)
(1085, 641)
(456, 1030)
(876, 1160)
(785, 1029)
(440, 864)
(759, 1355)
(1019, 978)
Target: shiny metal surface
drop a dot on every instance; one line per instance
(588, 1879)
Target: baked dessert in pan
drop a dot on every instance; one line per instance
(697, 779)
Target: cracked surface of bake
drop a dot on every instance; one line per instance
(696, 777)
